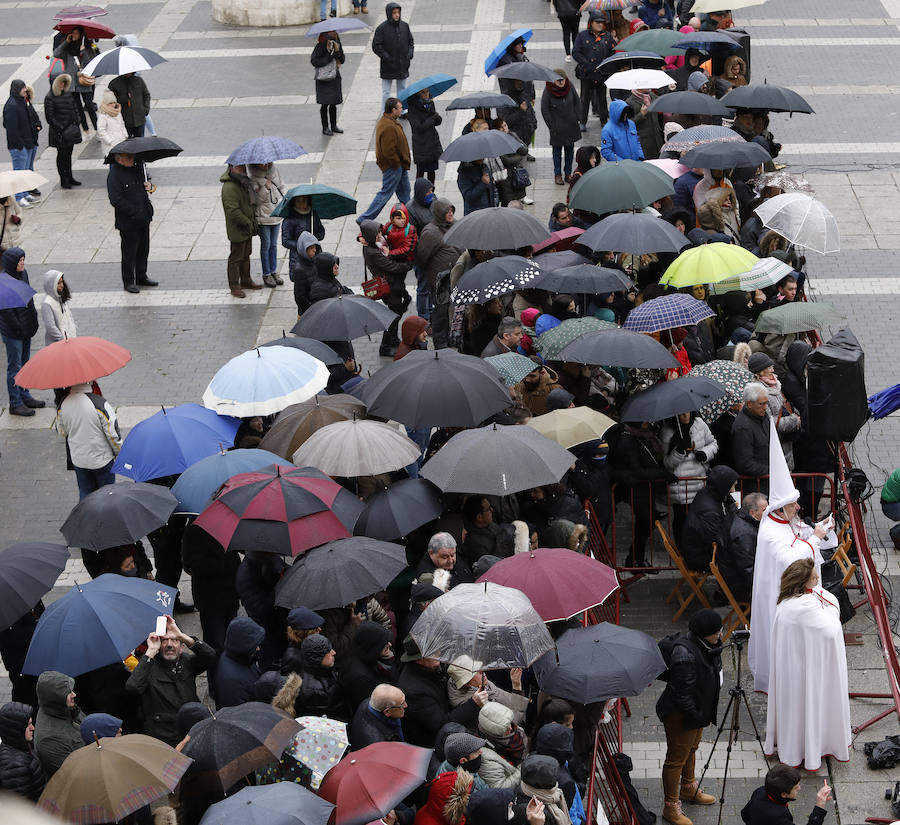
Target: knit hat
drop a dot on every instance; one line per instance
(561, 73)
(494, 719)
(302, 618)
(697, 81)
(99, 724)
(540, 771)
(458, 745)
(672, 128)
(267, 687)
(705, 622)
(758, 362)
(315, 647)
(559, 399)
(462, 669)
(424, 592)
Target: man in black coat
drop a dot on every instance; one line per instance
(394, 45)
(237, 670)
(371, 662)
(750, 433)
(483, 534)
(17, 327)
(20, 769)
(128, 194)
(709, 518)
(21, 134)
(769, 804)
(736, 559)
(592, 47)
(441, 555)
(378, 718)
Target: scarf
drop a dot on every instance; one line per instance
(511, 747)
(111, 109)
(556, 91)
(553, 799)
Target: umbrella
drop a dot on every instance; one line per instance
(280, 511)
(265, 381)
(357, 448)
(319, 745)
(634, 232)
(706, 40)
(117, 514)
(96, 623)
(84, 12)
(71, 361)
(337, 24)
(495, 277)
(145, 149)
(786, 181)
(481, 100)
(442, 388)
(732, 376)
(95, 31)
(318, 350)
(108, 780)
(667, 312)
(599, 662)
(495, 625)
(170, 441)
(618, 348)
(671, 398)
(765, 272)
(13, 292)
(625, 184)
(399, 509)
(197, 484)
(572, 426)
(478, 145)
(497, 460)
(699, 136)
(512, 366)
(339, 573)
(123, 60)
(884, 402)
(526, 71)
(639, 79)
(233, 743)
(584, 278)
(658, 41)
(803, 220)
(559, 582)
(344, 318)
(299, 421)
(673, 168)
(281, 803)
(19, 180)
(368, 784)
(563, 240)
(707, 6)
(28, 571)
(689, 103)
(637, 59)
(437, 84)
(764, 96)
(798, 316)
(326, 201)
(708, 263)
(552, 342)
(499, 51)
(726, 155)
(495, 228)
(608, 5)
(553, 261)
(265, 149)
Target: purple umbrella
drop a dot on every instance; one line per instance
(13, 292)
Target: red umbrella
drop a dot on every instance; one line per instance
(95, 31)
(72, 361)
(562, 239)
(280, 511)
(559, 582)
(84, 12)
(368, 783)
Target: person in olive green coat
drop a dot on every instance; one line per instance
(57, 726)
(241, 226)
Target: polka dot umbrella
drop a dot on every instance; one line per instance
(496, 277)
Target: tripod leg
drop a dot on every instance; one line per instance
(762, 748)
(732, 738)
(715, 741)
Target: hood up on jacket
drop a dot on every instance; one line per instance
(51, 281)
(324, 263)
(62, 83)
(305, 241)
(10, 261)
(369, 640)
(439, 209)
(583, 158)
(52, 689)
(795, 358)
(421, 188)
(15, 88)
(14, 718)
(398, 207)
(555, 740)
(389, 10)
(369, 231)
(720, 480)
(242, 638)
(410, 330)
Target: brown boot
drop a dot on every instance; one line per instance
(237, 292)
(691, 793)
(252, 285)
(672, 813)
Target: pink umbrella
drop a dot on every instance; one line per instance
(670, 166)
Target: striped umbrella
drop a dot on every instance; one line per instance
(667, 312)
(766, 272)
(732, 376)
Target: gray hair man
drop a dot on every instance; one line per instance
(441, 555)
(750, 433)
(377, 719)
(509, 334)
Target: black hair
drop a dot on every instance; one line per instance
(389, 104)
(472, 508)
(557, 208)
(780, 779)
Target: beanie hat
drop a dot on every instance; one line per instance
(559, 399)
(483, 564)
(494, 719)
(424, 592)
(266, 688)
(315, 648)
(672, 128)
(758, 362)
(99, 725)
(705, 622)
(302, 618)
(540, 771)
(461, 670)
(697, 81)
(458, 745)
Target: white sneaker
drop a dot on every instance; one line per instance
(568, 58)
(25, 203)
(527, 201)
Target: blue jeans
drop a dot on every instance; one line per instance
(17, 354)
(322, 7)
(558, 159)
(392, 181)
(90, 480)
(386, 90)
(423, 294)
(20, 161)
(268, 247)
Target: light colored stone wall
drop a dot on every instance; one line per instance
(269, 13)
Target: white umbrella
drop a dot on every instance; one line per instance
(803, 220)
(357, 448)
(19, 180)
(765, 273)
(123, 60)
(707, 6)
(639, 79)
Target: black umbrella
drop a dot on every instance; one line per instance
(344, 318)
(671, 398)
(27, 572)
(278, 803)
(399, 509)
(310, 346)
(493, 278)
(726, 155)
(636, 232)
(689, 103)
(549, 261)
(618, 348)
(526, 70)
(339, 573)
(490, 143)
(496, 228)
(145, 149)
(585, 279)
(599, 662)
(770, 98)
(118, 514)
(442, 388)
(481, 100)
(636, 59)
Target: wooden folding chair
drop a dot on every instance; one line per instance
(848, 568)
(692, 578)
(739, 614)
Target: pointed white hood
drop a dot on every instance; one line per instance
(781, 485)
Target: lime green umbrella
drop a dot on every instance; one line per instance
(658, 41)
(708, 264)
(797, 316)
(550, 343)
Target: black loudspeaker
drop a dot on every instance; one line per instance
(836, 388)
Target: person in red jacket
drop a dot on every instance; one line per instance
(400, 235)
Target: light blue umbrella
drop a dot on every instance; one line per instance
(337, 24)
(265, 149)
(500, 49)
(326, 201)
(438, 83)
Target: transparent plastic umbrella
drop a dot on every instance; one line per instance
(803, 220)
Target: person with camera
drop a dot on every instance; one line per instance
(769, 804)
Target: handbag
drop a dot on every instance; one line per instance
(376, 288)
(328, 71)
(70, 135)
(520, 177)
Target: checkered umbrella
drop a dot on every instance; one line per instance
(667, 312)
(493, 278)
(766, 272)
(553, 341)
(732, 376)
(512, 366)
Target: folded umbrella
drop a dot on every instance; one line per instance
(706, 40)
(326, 201)
(337, 24)
(299, 421)
(123, 60)
(586, 279)
(481, 100)
(667, 312)
(479, 145)
(798, 316)
(512, 366)
(145, 149)
(625, 184)
(495, 277)
(28, 571)
(318, 350)
(72, 361)
(266, 149)
(733, 377)
(639, 79)
(526, 71)
(636, 232)
(658, 41)
(765, 272)
(19, 180)
(437, 84)
(708, 263)
(550, 343)
(352, 448)
(572, 426)
(495, 228)
(618, 348)
(281, 803)
(689, 103)
(319, 745)
(13, 292)
(726, 155)
(95, 31)
(671, 398)
(344, 318)
(499, 51)
(399, 509)
(803, 220)
(764, 96)
(84, 12)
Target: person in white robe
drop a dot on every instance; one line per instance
(808, 713)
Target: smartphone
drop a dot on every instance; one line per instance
(160, 626)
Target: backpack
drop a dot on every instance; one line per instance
(666, 646)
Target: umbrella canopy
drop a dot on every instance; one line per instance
(145, 149)
(481, 100)
(265, 149)
(584, 278)
(572, 426)
(526, 71)
(495, 277)
(689, 103)
(337, 24)
(326, 201)
(19, 180)
(803, 220)
(726, 155)
(765, 272)
(699, 136)
(608, 5)
(706, 40)
(639, 79)
(658, 41)
(436, 84)
(117, 514)
(281, 803)
(559, 582)
(197, 484)
(637, 59)
(673, 168)
(95, 31)
(512, 366)
(671, 398)
(625, 184)
(667, 312)
(72, 361)
(123, 60)
(367, 785)
(764, 96)
(344, 318)
(550, 261)
(13, 292)
(495, 228)
(84, 12)
(319, 745)
(28, 571)
(495, 625)
(96, 623)
(339, 573)
(786, 181)
(799, 316)
(551, 343)
(357, 448)
(318, 350)
(478, 145)
(499, 51)
(114, 777)
(599, 662)
(708, 263)
(733, 377)
(299, 421)
(172, 440)
(635, 232)
(265, 381)
(618, 348)
(399, 509)
(497, 460)
(562, 240)
(442, 388)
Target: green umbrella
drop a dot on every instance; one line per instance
(512, 366)
(623, 184)
(658, 41)
(327, 202)
(732, 376)
(551, 342)
(798, 316)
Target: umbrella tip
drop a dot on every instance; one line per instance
(258, 353)
(97, 739)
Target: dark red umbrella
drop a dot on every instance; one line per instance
(95, 31)
(559, 582)
(83, 12)
(367, 784)
(72, 361)
(562, 239)
(280, 511)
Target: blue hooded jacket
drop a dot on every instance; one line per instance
(619, 141)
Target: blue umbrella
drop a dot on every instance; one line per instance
(438, 83)
(172, 440)
(96, 624)
(494, 58)
(13, 292)
(884, 402)
(705, 40)
(667, 312)
(327, 202)
(265, 150)
(337, 24)
(196, 485)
